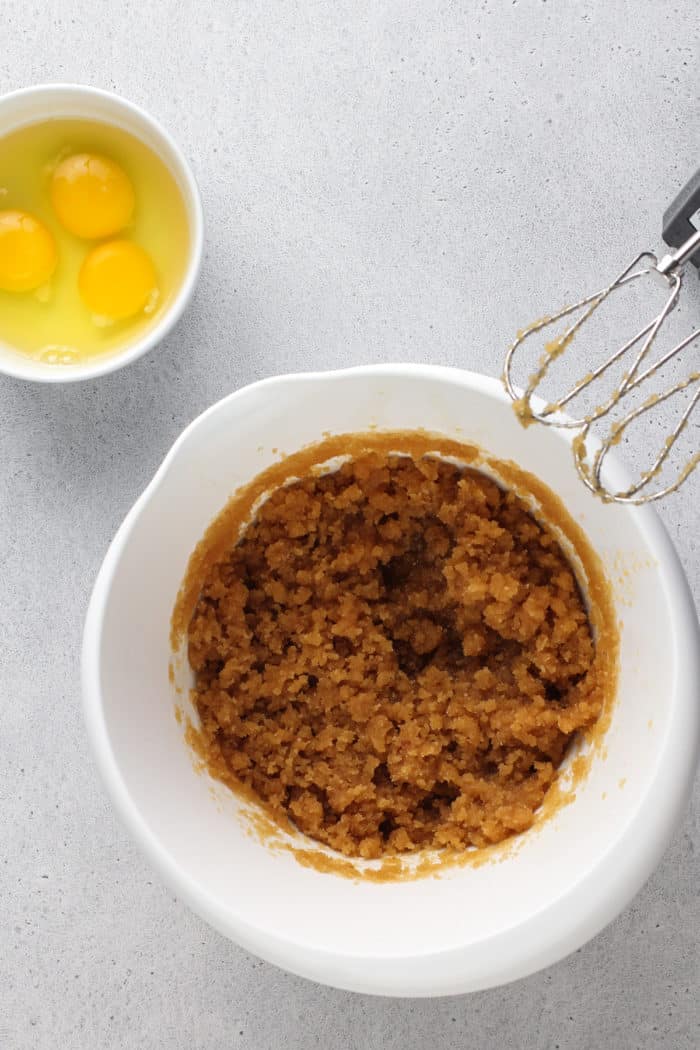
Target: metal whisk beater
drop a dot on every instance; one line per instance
(681, 231)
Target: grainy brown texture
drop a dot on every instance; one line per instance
(394, 656)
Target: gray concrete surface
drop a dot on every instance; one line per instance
(384, 180)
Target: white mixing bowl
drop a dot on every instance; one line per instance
(472, 927)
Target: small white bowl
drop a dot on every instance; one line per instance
(53, 101)
(474, 926)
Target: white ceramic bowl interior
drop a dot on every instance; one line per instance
(53, 101)
(474, 926)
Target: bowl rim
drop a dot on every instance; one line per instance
(24, 368)
(519, 950)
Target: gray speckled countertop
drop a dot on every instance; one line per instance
(386, 180)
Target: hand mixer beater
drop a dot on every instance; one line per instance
(681, 232)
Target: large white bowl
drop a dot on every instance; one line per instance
(474, 926)
(49, 102)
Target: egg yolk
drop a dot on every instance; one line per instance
(28, 254)
(117, 279)
(91, 195)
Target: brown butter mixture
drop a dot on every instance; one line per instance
(394, 656)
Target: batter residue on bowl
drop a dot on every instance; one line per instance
(393, 656)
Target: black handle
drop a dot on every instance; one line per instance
(677, 227)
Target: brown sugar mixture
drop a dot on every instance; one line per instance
(393, 656)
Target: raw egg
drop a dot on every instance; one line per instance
(97, 211)
(27, 251)
(92, 195)
(117, 280)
